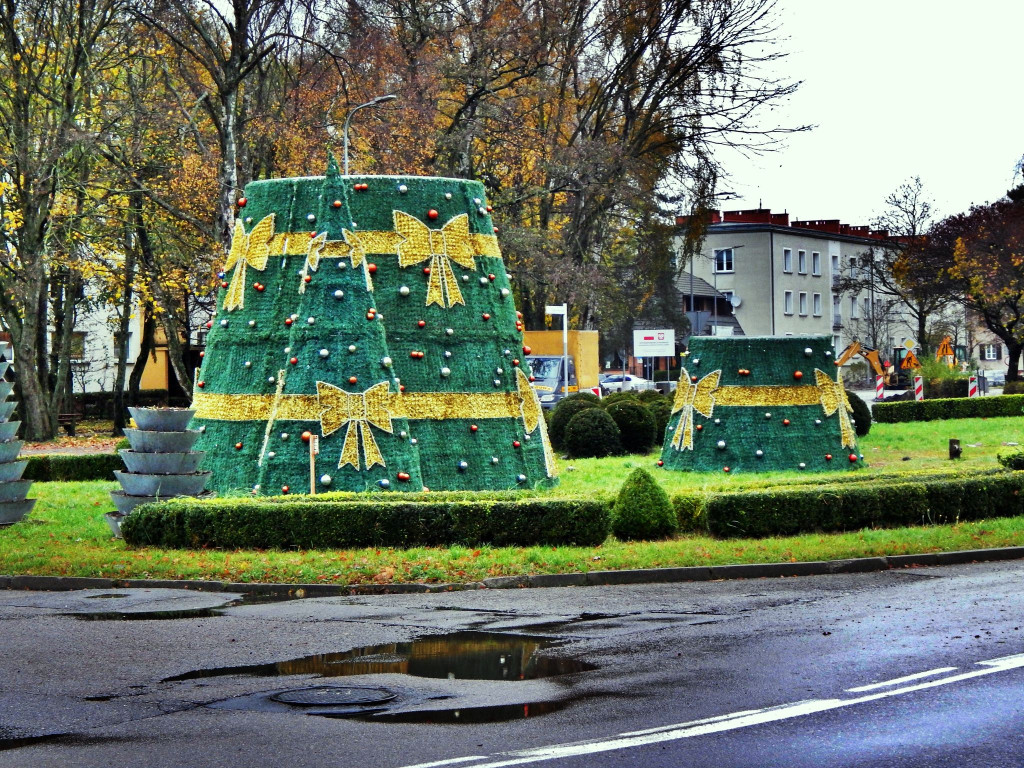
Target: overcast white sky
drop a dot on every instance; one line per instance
(896, 89)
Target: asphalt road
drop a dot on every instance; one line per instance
(913, 667)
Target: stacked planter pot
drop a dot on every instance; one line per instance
(160, 464)
(13, 490)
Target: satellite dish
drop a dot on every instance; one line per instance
(735, 301)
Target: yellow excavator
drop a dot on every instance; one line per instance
(886, 370)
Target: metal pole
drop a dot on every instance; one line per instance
(348, 118)
(565, 347)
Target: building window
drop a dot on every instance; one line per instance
(787, 259)
(991, 351)
(803, 303)
(836, 341)
(723, 260)
(853, 307)
(789, 303)
(817, 304)
(801, 262)
(815, 263)
(867, 307)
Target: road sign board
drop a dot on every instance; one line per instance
(660, 342)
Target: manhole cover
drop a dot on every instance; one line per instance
(330, 695)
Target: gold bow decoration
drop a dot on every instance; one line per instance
(833, 399)
(533, 416)
(252, 250)
(360, 411)
(441, 246)
(689, 398)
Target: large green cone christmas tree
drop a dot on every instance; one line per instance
(760, 404)
(375, 314)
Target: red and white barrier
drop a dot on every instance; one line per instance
(919, 388)
(879, 387)
(972, 387)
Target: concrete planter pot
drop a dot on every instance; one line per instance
(4, 365)
(161, 463)
(125, 503)
(114, 521)
(161, 419)
(6, 409)
(6, 387)
(13, 511)
(164, 486)
(12, 470)
(9, 430)
(161, 442)
(9, 450)
(16, 490)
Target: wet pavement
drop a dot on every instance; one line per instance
(174, 677)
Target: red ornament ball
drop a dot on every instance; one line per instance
(526, 350)
(288, 321)
(308, 278)
(490, 277)
(431, 214)
(798, 375)
(515, 361)
(241, 202)
(223, 285)
(725, 469)
(260, 287)
(473, 427)
(422, 323)
(661, 463)
(200, 384)
(828, 457)
(371, 268)
(853, 457)
(426, 270)
(785, 422)
(294, 360)
(699, 427)
(403, 476)
(693, 379)
(486, 316)
(352, 379)
(238, 446)
(306, 435)
(202, 353)
(336, 204)
(284, 489)
(515, 443)
(371, 315)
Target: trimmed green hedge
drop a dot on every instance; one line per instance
(376, 521)
(852, 506)
(948, 408)
(54, 467)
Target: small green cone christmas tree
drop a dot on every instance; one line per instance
(760, 404)
(382, 322)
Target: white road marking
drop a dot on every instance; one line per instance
(899, 680)
(719, 724)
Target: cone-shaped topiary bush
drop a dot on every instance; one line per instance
(643, 510)
(637, 425)
(861, 415)
(565, 410)
(592, 433)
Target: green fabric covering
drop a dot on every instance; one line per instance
(761, 370)
(265, 452)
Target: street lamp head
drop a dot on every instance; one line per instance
(382, 99)
(348, 118)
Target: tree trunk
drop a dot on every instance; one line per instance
(121, 340)
(39, 421)
(175, 351)
(1013, 353)
(146, 346)
(72, 287)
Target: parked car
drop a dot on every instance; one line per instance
(624, 382)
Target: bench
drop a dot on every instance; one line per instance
(66, 421)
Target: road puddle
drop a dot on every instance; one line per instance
(456, 656)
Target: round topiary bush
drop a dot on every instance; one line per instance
(649, 396)
(616, 397)
(861, 415)
(564, 411)
(662, 411)
(643, 510)
(637, 425)
(592, 433)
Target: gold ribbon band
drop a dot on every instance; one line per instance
(377, 242)
(702, 396)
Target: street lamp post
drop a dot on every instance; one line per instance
(348, 118)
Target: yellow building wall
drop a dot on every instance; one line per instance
(155, 374)
(582, 348)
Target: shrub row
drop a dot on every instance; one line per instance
(851, 506)
(371, 522)
(949, 408)
(72, 467)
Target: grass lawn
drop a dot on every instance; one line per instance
(66, 535)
